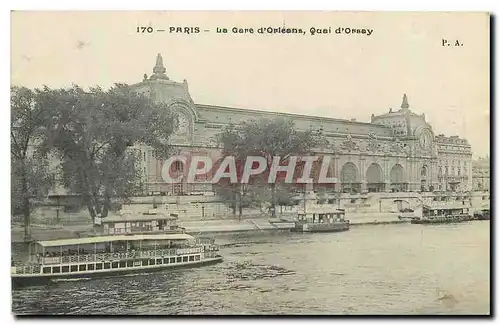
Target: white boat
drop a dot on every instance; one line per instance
(319, 217)
(112, 255)
(447, 213)
(324, 220)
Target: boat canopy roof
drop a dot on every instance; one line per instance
(104, 239)
(321, 211)
(129, 217)
(445, 207)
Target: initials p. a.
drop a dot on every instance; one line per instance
(454, 43)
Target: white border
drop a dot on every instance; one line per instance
(421, 5)
(352, 5)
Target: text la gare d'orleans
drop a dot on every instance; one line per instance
(274, 30)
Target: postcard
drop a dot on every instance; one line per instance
(250, 163)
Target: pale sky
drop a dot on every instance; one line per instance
(341, 76)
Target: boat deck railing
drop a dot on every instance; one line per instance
(327, 221)
(100, 257)
(457, 217)
(208, 252)
(205, 241)
(28, 269)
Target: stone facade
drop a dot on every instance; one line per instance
(454, 163)
(481, 174)
(396, 151)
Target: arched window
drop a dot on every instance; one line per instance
(374, 174)
(349, 173)
(178, 166)
(374, 178)
(349, 178)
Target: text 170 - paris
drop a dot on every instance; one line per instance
(176, 30)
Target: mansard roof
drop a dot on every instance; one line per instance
(234, 110)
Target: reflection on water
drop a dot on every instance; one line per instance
(391, 269)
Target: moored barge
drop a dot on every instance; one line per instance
(321, 221)
(484, 214)
(443, 214)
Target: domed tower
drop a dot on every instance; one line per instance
(417, 135)
(160, 88)
(159, 69)
(406, 124)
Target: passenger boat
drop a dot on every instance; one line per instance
(482, 215)
(112, 255)
(321, 221)
(443, 214)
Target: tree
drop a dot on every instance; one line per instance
(322, 195)
(284, 195)
(30, 175)
(269, 138)
(93, 133)
(227, 193)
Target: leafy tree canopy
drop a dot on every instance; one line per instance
(268, 138)
(92, 131)
(31, 177)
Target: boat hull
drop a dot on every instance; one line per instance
(24, 280)
(439, 221)
(485, 215)
(308, 227)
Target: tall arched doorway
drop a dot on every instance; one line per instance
(374, 181)
(398, 183)
(423, 178)
(350, 178)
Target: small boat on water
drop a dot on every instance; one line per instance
(321, 221)
(112, 255)
(482, 215)
(315, 217)
(443, 214)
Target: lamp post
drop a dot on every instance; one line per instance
(339, 196)
(240, 208)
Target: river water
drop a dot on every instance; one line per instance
(384, 269)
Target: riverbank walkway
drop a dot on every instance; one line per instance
(221, 225)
